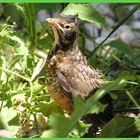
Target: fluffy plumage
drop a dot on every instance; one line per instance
(68, 73)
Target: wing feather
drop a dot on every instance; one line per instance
(78, 80)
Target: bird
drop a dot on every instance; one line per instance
(68, 73)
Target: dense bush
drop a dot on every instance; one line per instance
(25, 39)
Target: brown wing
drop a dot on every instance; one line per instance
(78, 80)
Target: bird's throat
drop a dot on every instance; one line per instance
(61, 47)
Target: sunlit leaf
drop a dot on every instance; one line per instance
(85, 12)
(7, 115)
(38, 68)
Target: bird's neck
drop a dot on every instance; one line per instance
(63, 47)
(72, 52)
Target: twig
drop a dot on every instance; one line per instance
(134, 109)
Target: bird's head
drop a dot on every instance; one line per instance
(65, 29)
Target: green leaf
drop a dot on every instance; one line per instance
(85, 12)
(3, 76)
(9, 37)
(119, 127)
(15, 60)
(89, 106)
(80, 129)
(38, 68)
(2, 124)
(49, 108)
(14, 121)
(98, 107)
(138, 123)
(121, 47)
(28, 12)
(7, 115)
(58, 130)
(59, 123)
(49, 6)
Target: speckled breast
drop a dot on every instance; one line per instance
(54, 89)
(51, 77)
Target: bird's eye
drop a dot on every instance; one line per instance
(67, 26)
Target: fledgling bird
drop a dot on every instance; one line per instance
(68, 73)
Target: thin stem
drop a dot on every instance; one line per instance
(14, 73)
(134, 109)
(133, 100)
(31, 90)
(1, 105)
(115, 28)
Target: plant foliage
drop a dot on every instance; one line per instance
(25, 104)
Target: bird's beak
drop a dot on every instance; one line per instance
(54, 23)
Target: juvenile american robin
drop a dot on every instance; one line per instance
(68, 73)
